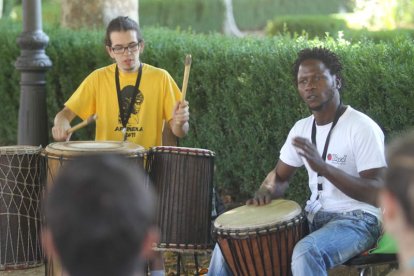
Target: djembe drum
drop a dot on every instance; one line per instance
(21, 177)
(58, 154)
(183, 180)
(259, 240)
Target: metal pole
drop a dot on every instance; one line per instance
(33, 64)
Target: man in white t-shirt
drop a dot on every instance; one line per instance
(343, 152)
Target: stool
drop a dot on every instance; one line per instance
(366, 264)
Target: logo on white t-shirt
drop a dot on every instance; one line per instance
(336, 158)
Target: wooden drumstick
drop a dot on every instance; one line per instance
(82, 124)
(186, 75)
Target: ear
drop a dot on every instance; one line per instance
(141, 47)
(48, 244)
(338, 83)
(152, 237)
(109, 51)
(390, 208)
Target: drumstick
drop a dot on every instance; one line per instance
(186, 74)
(84, 123)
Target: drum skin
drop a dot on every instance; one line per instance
(259, 240)
(59, 153)
(21, 171)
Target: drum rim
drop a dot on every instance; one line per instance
(130, 149)
(20, 149)
(295, 214)
(271, 228)
(182, 150)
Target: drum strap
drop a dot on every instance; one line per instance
(127, 114)
(339, 111)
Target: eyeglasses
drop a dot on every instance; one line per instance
(119, 50)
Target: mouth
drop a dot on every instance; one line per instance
(311, 98)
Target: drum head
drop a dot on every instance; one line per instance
(249, 217)
(182, 150)
(19, 149)
(75, 148)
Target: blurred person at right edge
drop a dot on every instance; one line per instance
(397, 200)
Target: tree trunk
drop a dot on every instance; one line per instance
(230, 26)
(80, 13)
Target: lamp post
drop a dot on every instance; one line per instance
(33, 64)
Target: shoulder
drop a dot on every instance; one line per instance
(360, 121)
(154, 71)
(303, 123)
(110, 69)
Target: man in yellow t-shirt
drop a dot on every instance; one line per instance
(131, 99)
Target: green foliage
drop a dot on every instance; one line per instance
(255, 14)
(242, 99)
(197, 15)
(311, 25)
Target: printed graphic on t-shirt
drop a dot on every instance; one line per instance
(127, 94)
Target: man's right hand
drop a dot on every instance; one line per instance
(60, 132)
(62, 124)
(261, 197)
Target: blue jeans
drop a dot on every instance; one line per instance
(334, 239)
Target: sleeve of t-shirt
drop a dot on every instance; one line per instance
(368, 147)
(288, 153)
(172, 95)
(82, 102)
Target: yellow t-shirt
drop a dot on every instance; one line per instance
(153, 104)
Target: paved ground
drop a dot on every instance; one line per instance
(189, 269)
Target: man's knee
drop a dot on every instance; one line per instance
(306, 247)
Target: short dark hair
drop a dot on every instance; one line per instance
(399, 178)
(99, 210)
(122, 24)
(329, 58)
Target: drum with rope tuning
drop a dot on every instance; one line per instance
(21, 179)
(183, 180)
(259, 240)
(59, 153)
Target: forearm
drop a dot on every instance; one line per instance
(364, 189)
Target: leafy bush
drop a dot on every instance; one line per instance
(253, 15)
(242, 99)
(197, 15)
(311, 25)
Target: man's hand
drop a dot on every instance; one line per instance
(261, 197)
(179, 121)
(309, 151)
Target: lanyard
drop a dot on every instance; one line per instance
(127, 114)
(325, 149)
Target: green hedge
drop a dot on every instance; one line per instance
(198, 15)
(311, 25)
(253, 15)
(242, 100)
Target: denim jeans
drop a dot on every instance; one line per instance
(334, 239)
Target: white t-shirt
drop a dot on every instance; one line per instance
(356, 144)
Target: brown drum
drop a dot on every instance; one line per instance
(183, 180)
(259, 240)
(21, 175)
(57, 154)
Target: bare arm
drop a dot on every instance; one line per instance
(62, 124)
(179, 123)
(364, 187)
(274, 185)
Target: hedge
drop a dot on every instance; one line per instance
(242, 98)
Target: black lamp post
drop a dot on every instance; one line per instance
(33, 64)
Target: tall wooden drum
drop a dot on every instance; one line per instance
(259, 240)
(58, 154)
(183, 180)
(21, 177)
